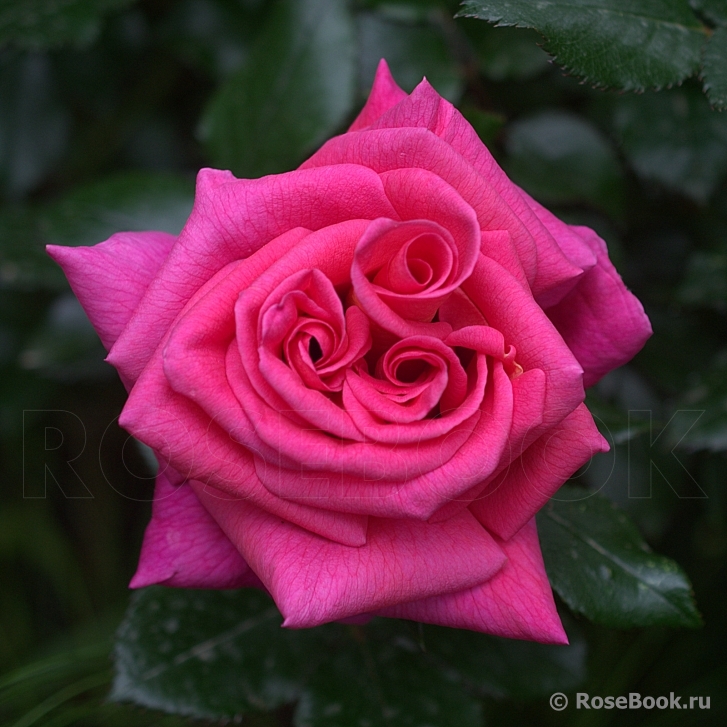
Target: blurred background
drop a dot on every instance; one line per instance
(107, 110)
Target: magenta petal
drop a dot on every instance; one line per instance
(530, 481)
(527, 417)
(510, 309)
(184, 547)
(469, 454)
(443, 229)
(314, 581)
(385, 93)
(181, 432)
(418, 148)
(425, 108)
(232, 219)
(601, 321)
(516, 602)
(109, 279)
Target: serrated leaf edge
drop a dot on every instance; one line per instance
(497, 21)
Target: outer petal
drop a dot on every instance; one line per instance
(231, 219)
(109, 279)
(314, 581)
(425, 108)
(385, 94)
(530, 481)
(516, 603)
(570, 243)
(601, 321)
(182, 433)
(184, 547)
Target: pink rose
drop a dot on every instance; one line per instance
(364, 377)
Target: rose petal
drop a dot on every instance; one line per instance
(601, 321)
(501, 205)
(314, 581)
(469, 454)
(434, 211)
(498, 245)
(528, 392)
(198, 346)
(109, 279)
(385, 94)
(516, 602)
(184, 547)
(397, 312)
(510, 309)
(425, 108)
(367, 411)
(530, 481)
(181, 432)
(389, 149)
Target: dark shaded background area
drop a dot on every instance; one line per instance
(107, 113)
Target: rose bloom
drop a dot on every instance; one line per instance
(363, 378)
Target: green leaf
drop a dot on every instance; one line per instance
(48, 23)
(219, 654)
(674, 138)
(714, 70)
(600, 566)
(505, 668)
(295, 90)
(208, 653)
(412, 50)
(378, 676)
(628, 44)
(559, 158)
(131, 201)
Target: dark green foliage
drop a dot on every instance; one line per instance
(624, 44)
(562, 159)
(599, 565)
(220, 654)
(295, 89)
(131, 201)
(629, 44)
(48, 23)
(715, 68)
